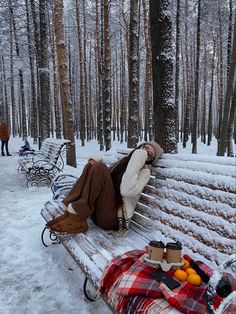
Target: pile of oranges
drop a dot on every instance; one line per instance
(186, 273)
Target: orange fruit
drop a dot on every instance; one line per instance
(190, 271)
(181, 275)
(186, 264)
(194, 279)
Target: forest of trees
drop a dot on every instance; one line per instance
(129, 70)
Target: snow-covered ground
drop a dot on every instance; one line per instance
(35, 279)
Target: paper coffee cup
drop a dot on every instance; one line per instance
(156, 250)
(173, 252)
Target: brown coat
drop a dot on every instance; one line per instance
(4, 134)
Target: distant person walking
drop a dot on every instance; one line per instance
(4, 137)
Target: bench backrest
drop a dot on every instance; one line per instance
(192, 199)
(51, 148)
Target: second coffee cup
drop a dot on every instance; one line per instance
(156, 250)
(173, 252)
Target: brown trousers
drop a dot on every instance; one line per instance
(93, 196)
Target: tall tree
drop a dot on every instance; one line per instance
(231, 125)
(133, 76)
(36, 41)
(33, 107)
(86, 104)
(228, 98)
(196, 89)
(220, 71)
(99, 70)
(162, 69)
(64, 82)
(81, 63)
(20, 71)
(107, 82)
(229, 35)
(210, 112)
(12, 81)
(188, 85)
(2, 105)
(44, 118)
(177, 44)
(148, 128)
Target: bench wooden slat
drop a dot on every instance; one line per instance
(214, 208)
(213, 160)
(225, 170)
(215, 182)
(204, 235)
(212, 222)
(188, 240)
(204, 193)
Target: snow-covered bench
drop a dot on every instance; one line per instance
(42, 166)
(189, 198)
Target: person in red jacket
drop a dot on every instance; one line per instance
(4, 137)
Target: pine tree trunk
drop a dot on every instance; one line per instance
(99, 70)
(90, 98)
(203, 124)
(58, 126)
(107, 83)
(64, 82)
(86, 104)
(13, 105)
(197, 76)
(177, 39)
(148, 122)
(81, 63)
(21, 79)
(101, 74)
(220, 80)
(231, 125)
(37, 54)
(5, 104)
(2, 105)
(133, 76)
(44, 116)
(187, 103)
(209, 133)
(227, 101)
(229, 36)
(122, 95)
(33, 107)
(162, 69)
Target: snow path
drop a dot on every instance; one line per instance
(34, 279)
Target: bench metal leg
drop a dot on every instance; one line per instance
(90, 291)
(53, 237)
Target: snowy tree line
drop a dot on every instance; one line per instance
(142, 69)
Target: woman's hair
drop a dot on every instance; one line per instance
(117, 172)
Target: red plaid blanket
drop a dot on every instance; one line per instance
(128, 286)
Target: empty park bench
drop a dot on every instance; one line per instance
(42, 166)
(189, 199)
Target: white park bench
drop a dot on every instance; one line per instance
(42, 166)
(190, 199)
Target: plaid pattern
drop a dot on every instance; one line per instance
(129, 288)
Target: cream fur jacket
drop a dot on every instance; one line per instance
(135, 178)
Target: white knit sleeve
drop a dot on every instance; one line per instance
(135, 177)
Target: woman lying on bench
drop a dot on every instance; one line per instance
(107, 196)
